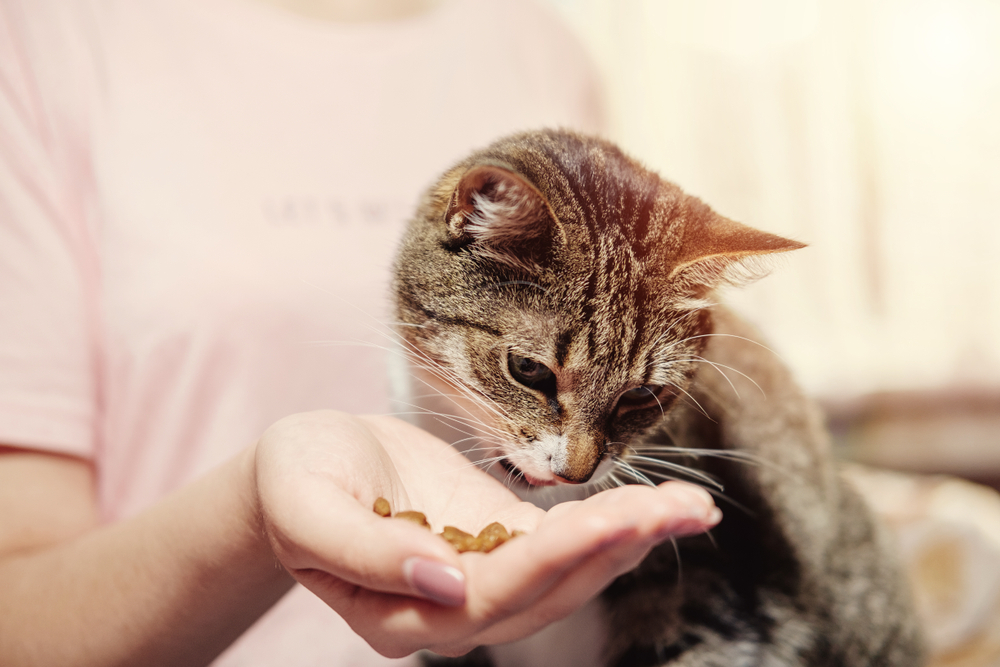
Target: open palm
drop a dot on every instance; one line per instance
(403, 588)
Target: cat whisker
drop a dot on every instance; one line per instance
(715, 492)
(635, 474)
(603, 484)
(342, 343)
(431, 367)
(478, 399)
(512, 476)
(452, 379)
(697, 360)
(717, 366)
(738, 337)
(657, 399)
(452, 420)
(472, 421)
(677, 552)
(666, 351)
(728, 454)
(471, 451)
(684, 470)
(711, 538)
(475, 398)
(694, 400)
(483, 464)
(442, 373)
(413, 355)
(490, 465)
(484, 456)
(669, 330)
(441, 417)
(410, 352)
(711, 485)
(476, 424)
(693, 452)
(611, 477)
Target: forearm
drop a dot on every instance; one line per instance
(174, 585)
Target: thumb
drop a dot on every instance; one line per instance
(319, 532)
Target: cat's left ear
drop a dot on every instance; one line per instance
(502, 213)
(716, 251)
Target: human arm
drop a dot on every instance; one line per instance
(171, 586)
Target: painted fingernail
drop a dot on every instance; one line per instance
(435, 581)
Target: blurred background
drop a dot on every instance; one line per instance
(869, 129)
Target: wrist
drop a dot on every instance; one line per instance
(248, 507)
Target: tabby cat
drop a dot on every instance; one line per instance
(562, 295)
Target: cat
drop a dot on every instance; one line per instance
(562, 298)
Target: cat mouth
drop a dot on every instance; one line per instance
(521, 478)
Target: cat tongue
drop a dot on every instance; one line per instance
(519, 474)
(539, 482)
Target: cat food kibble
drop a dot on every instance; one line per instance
(461, 540)
(489, 538)
(416, 517)
(382, 507)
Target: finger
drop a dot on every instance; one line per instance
(317, 476)
(538, 578)
(577, 586)
(566, 537)
(618, 555)
(321, 528)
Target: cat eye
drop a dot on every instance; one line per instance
(531, 373)
(647, 393)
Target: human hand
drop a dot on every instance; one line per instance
(403, 588)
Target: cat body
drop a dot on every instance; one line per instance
(559, 297)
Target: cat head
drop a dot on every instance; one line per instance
(557, 289)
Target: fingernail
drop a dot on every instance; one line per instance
(695, 513)
(695, 502)
(435, 581)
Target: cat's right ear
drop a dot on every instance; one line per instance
(500, 212)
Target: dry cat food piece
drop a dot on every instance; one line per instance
(489, 538)
(492, 536)
(461, 540)
(416, 517)
(382, 507)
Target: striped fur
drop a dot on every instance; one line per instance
(557, 249)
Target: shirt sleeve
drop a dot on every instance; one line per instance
(47, 271)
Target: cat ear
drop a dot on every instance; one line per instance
(500, 212)
(717, 251)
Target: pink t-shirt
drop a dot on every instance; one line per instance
(199, 204)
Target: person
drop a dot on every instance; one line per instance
(199, 201)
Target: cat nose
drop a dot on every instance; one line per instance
(569, 480)
(583, 455)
